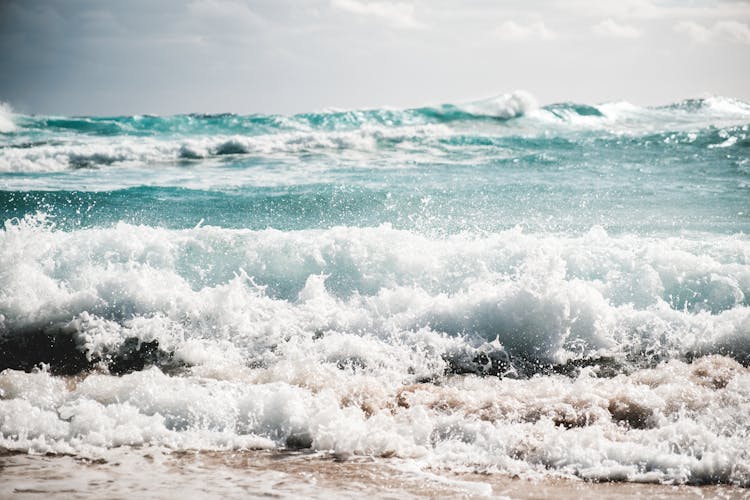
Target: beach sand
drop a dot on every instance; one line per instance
(130, 473)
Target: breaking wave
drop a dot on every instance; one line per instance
(6, 119)
(544, 300)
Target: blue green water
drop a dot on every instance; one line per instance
(562, 167)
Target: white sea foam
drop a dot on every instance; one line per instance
(677, 422)
(592, 291)
(6, 119)
(325, 338)
(623, 117)
(504, 106)
(130, 151)
(726, 106)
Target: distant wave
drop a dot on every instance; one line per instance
(502, 107)
(59, 153)
(6, 119)
(44, 144)
(715, 105)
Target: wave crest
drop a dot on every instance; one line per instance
(481, 128)
(6, 119)
(545, 299)
(504, 107)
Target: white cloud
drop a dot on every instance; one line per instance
(610, 28)
(511, 30)
(728, 31)
(733, 30)
(397, 14)
(696, 32)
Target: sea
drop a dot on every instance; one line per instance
(494, 287)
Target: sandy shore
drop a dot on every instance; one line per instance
(152, 474)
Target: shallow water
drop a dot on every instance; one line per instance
(152, 474)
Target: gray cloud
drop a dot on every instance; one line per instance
(92, 57)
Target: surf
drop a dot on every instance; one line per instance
(549, 291)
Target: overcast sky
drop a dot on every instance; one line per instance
(283, 56)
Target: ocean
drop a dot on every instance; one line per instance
(491, 287)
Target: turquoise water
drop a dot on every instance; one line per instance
(562, 167)
(555, 290)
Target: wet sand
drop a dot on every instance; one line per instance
(153, 474)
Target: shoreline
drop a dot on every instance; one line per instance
(153, 473)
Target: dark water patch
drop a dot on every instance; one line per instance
(231, 148)
(135, 355)
(59, 350)
(490, 360)
(76, 161)
(29, 144)
(186, 153)
(603, 366)
(54, 347)
(299, 441)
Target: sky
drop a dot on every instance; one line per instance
(99, 57)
